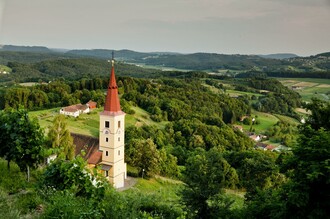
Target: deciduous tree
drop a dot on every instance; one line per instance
(60, 140)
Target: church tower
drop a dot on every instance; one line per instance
(111, 139)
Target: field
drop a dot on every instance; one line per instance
(241, 93)
(309, 87)
(266, 121)
(88, 124)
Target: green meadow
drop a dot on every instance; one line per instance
(88, 124)
(267, 120)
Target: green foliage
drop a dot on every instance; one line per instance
(256, 170)
(60, 140)
(306, 193)
(280, 100)
(67, 205)
(67, 67)
(28, 202)
(173, 100)
(132, 171)
(206, 176)
(7, 184)
(21, 139)
(247, 121)
(136, 204)
(7, 209)
(144, 155)
(284, 133)
(320, 114)
(74, 177)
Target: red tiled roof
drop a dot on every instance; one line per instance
(112, 103)
(260, 144)
(95, 158)
(92, 104)
(270, 147)
(74, 108)
(87, 147)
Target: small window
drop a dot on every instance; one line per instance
(107, 124)
(106, 139)
(118, 152)
(106, 153)
(118, 138)
(118, 124)
(106, 173)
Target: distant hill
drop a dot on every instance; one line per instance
(25, 48)
(211, 61)
(71, 69)
(273, 63)
(30, 57)
(325, 54)
(279, 56)
(127, 55)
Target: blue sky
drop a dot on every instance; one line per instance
(187, 26)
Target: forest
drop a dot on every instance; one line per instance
(198, 146)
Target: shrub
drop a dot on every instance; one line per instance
(67, 205)
(132, 171)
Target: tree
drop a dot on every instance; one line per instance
(320, 114)
(23, 139)
(206, 176)
(144, 155)
(7, 145)
(256, 170)
(60, 140)
(308, 191)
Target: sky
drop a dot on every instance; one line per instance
(186, 26)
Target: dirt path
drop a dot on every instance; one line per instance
(129, 183)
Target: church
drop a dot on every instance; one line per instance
(108, 153)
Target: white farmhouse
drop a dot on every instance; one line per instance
(75, 110)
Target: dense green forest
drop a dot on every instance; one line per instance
(198, 145)
(289, 185)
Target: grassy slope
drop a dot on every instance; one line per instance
(287, 119)
(88, 124)
(241, 93)
(169, 190)
(166, 188)
(4, 68)
(266, 121)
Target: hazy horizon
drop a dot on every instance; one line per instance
(184, 26)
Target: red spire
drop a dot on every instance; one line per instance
(112, 103)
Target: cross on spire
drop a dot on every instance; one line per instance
(113, 58)
(112, 103)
